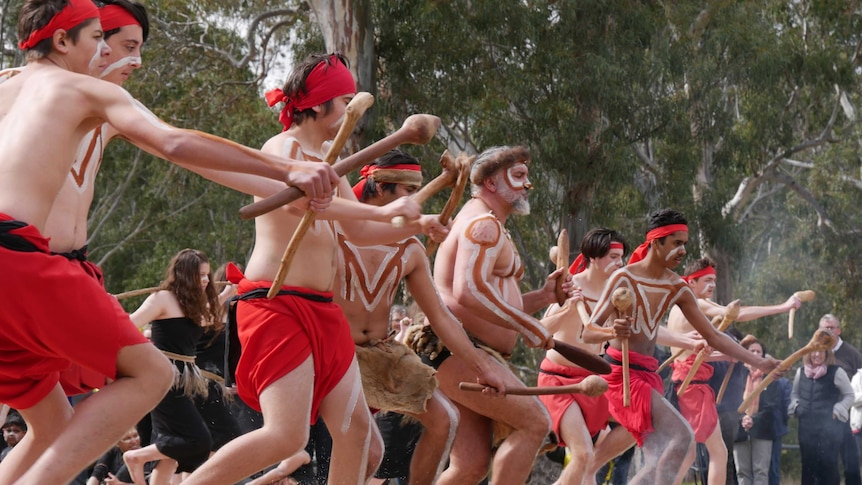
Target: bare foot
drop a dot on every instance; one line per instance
(135, 465)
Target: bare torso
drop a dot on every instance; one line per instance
(652, 300)
(367, 280)
(571, 329)
(42, 101)
(313, 265)
(474, 222)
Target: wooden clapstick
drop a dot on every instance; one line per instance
(821, 341)
(730, 314)
(622, 299)
(591, 386)
(464, 164)
(803, 296)
(447, 178)
(562, 262)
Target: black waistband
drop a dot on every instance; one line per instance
(79, 254)
(613, 361)
(15, 242)
(258, 293)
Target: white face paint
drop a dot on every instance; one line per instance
(126, 61)
(674, 252)
(517, 197)
(613, 266)
(516, 176)
(97, 56)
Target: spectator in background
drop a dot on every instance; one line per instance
(14, 430)
(110, 468)
(848, 358)
(752, 451)
(821, 399)
(781, 429)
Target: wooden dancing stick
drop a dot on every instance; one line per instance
(554, 255)
(464, 163)
(562, 262)
(724, 383)
(821, 341)
(153, 289)
(581, 357)
(730, 314)
(621, 299)
(352, 113)
(416, 130)
(591, 386)
(803, 296)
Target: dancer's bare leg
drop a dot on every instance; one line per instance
(136, 459)
(717, 456)
(357, 446)
(515, 456)
(63, 443)
(667, 450)
(283, 470)
(573, 429)
(614, 444)
(440, 421)
(286, 405)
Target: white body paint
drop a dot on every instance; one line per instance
(126, 61)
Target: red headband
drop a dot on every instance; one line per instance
(580, 264)
(75, 12)
(699, 273)
(326, 81)
(659, 232)
(367, 170)
(114, 17)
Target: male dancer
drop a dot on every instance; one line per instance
(477, 273)
(297, 357)
(697, 403)
(82, 325)
(656, 426)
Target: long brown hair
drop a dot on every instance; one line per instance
(182, 278)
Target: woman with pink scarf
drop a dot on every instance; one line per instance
(821, 399)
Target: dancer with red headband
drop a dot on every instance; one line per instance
(663, 434)
(56, 93)
(697, 404)
(297, 361)
(578, 419)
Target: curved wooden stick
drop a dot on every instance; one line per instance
(724, 383)
(447, 178)
(153, 289)
(730, 314)
(562, 261)
(621, 299)
(417, 130)
(464, 163)
(582, 358)
(803, 296)
(352, 113)
(591, 386)
(821, 341)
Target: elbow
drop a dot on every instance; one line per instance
(175, 145)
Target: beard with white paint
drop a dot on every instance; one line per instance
(517, 197)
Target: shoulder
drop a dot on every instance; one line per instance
(483, 229)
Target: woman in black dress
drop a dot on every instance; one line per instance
(185, 304)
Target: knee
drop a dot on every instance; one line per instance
(472, 472)
(441, 420)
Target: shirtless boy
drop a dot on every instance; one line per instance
(477, 272)
(697, 403)
(577, 419)
(297, 359)
(55, 93)
(658, 428)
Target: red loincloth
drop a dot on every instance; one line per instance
(278, 335)
(697, 403)
(593, 409)
(636, 418)
(54, 314)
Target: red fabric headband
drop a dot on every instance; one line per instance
(580, 264)
(325, 82)
(659, 232)
(699, 273)
(115, 16)
(367, 170)
(75, 12)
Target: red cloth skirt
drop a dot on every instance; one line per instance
(697, 403)
(594, 409)
(636, 418)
